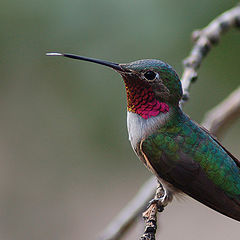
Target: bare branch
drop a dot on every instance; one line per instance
(216, 120)
(224, 114)
(150, 215)
(204, 40)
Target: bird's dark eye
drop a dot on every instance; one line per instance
(149, 75)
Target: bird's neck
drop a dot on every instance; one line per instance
(140, 128)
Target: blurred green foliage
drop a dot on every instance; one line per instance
(66, 164)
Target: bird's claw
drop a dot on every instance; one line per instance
(158, 202)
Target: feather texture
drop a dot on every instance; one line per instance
(191, 160)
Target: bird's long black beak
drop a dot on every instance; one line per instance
(112, 65)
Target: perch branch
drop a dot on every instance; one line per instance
(150, 215)
(217, 120)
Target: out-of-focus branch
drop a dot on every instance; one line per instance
(204, 40)
(217, 120)
(223, 115)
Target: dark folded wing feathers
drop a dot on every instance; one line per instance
(188, 176)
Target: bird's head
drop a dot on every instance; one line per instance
(151, 85)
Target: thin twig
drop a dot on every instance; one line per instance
(150, 215)
(204, 40)
(217, 120)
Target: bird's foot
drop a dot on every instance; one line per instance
(160, 200)
(156, 205)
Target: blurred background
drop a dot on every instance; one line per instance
(66, 166)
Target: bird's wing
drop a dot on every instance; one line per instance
(194, 162)
(237, 161)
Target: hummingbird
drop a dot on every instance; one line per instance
(183, 155)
